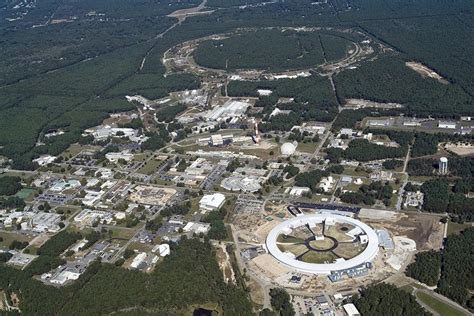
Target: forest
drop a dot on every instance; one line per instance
(315, 90)
(10, 185)
(54, 62)
(310, 179)
(387, 79)
(386, 299)
(368, 194)
(289, 50)
(458, 166)
(440, 197)
(456, 277)
(191, 274)
(363, 150)
(426, 268)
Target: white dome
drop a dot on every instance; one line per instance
(287, 149)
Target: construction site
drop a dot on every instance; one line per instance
(397, 237)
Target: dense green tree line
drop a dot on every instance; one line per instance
(313, 89)
(426, 268)
(363, 150)
(289, 50)
(11, 202)
(310, 179)
(439, 198)
(386, 299)
(457, 166)
(392, 164)
(218, 229)
(387, 79)
(281, 302)
(368, 194)
(169, 113)
(10, 185)
(457, 274)
(191, 275)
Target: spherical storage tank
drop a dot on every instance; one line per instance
(287, 149)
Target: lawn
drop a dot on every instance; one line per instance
(123, 233)
(307, 147)
(456, 228)
(150, 167)
(437, 305)
(318, 257)
(289, 239)
(8, 237)
(25, 193)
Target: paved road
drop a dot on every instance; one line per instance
(398, 207)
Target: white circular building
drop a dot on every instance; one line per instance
(360, 233)
(287, 149)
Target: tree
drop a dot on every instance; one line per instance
(426, 267)
(386, 299)
(281, 302)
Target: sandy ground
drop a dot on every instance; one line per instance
(361, 103)
(425, 71)
(224, 263)
(461, 150)
(269, 266)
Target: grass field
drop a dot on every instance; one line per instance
(120, 232)
(318, 257)
(307, 147)
(289, 239)
(25, 193)
(437, 305)
(293, 248)
(348, 251)
(150, 167)
(8, 237)
(456, 228)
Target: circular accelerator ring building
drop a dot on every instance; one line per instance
(359, 232)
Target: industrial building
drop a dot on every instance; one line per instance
(115, 157)
(212, 202)
(241, 183)
(351, 310)
(446, 124)
(231, 109)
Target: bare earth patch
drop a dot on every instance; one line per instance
(425, 71)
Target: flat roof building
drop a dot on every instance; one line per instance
(211, 202)
(351, 310)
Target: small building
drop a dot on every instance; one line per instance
(297, 191)
(197, 228)
(322, 300)
(346, 131)
(162, 249)
(212, 202)
(446, 124)
(351, 310)
(140, 258)
(115, 157)
(385, 241)
(44, 160)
